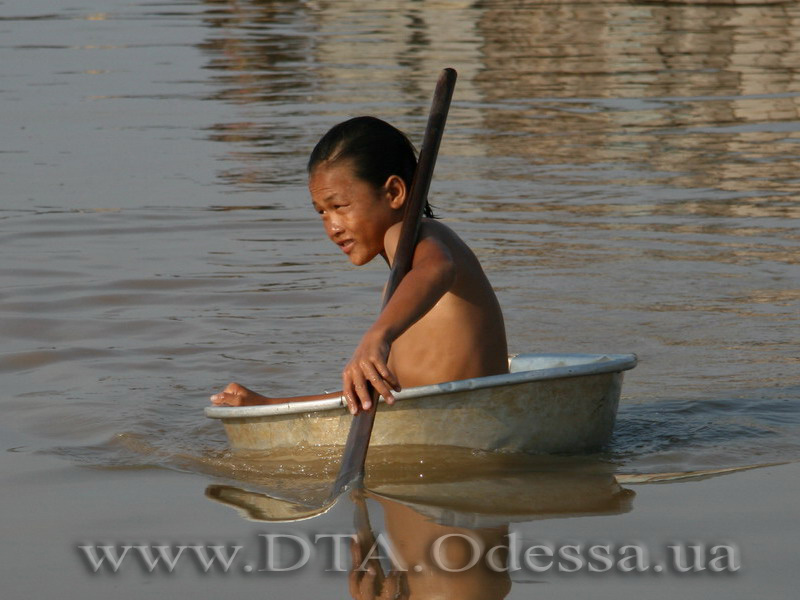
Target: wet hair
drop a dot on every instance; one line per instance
(377, 150)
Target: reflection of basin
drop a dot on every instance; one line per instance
(547, 403)
(473, 502)
(260, 507)
(525, 497)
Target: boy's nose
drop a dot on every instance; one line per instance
(334, 228)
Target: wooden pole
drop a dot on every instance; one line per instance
(355, 452)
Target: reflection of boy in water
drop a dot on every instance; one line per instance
(443, 322)
(412, 537)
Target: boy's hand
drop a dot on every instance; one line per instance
(238, 395)
(368, 364)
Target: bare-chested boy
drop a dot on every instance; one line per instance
(443, 322)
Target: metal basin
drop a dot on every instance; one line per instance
(547, 403)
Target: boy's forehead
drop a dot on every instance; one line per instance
(326, 182)
(321, 193)
(332, 172)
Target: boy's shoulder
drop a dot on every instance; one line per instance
(429, 228)
(433, 232)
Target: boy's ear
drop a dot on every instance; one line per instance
(396, 192)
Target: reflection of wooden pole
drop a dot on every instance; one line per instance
(355, 451)
(365, 538)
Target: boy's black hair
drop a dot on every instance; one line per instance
(377, 149)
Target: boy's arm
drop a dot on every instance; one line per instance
(432, 274)
(238, 395)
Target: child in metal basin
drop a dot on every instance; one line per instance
(443, 322)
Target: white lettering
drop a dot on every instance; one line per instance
(531, 553)
(565, 552)
(164, 553)
(682, 565)
(639, 558)
(727, 562)
(109, 553)
(475, 547)
(603, 555)
(512, 555)
(336, 547)
(220, 554)
(373, 555)
(271, 551)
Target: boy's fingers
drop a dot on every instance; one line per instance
(356, 378)
(378, 382)
(355, 388)
(388, 383)
(362, 391)
(349, 394)
(352, 403)
(352, 406)
(388, 376)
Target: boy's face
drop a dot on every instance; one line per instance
(355, 214)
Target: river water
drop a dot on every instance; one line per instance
(627, 172)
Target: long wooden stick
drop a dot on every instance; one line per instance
(355, 451)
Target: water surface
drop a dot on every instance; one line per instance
(625, 171)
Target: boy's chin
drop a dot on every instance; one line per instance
(359, 259)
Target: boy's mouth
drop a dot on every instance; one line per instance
(346, 245)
